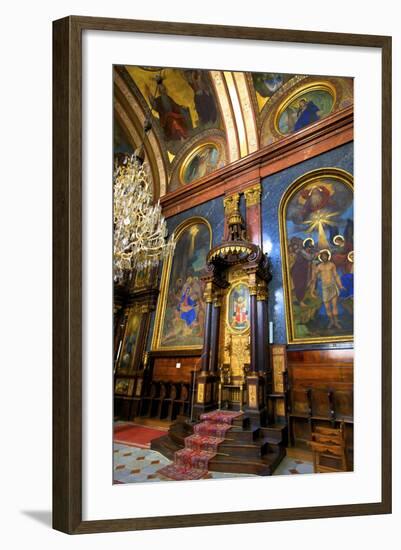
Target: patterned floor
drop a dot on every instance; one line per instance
(290, 466)
(136, 465)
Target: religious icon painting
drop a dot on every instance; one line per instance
(238, 308)
(180, 318)
(317, 232)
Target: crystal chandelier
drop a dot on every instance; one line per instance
(140, 230)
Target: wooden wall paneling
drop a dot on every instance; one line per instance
(321, 393)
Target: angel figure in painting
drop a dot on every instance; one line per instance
(331, 286)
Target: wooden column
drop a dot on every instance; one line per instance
(215, 329)
(207, 379)
(262, 329)
(253, 322)
(205, 362)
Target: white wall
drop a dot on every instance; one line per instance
(25, 207)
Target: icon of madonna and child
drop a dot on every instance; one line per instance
(320, 260)
(184, 315)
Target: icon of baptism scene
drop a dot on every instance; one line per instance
(233, 265)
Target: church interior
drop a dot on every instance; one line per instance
(233, 274)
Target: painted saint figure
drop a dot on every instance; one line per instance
(186, 307)
(174, 118)
(240, 313)
(331, 286)
(301, 271)
(204, 100)
(306, 114)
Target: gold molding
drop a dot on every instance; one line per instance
(247, 109)
(238, 114)
(325, 172)
(165, 279)
(227, 114)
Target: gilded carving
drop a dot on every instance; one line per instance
(252, 396)
(253, 284)
(262, 293)
(253, 194)
(231, 204)
(200, 398)
(208, 294)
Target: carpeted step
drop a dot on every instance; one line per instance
(222, 441)
(180, 473)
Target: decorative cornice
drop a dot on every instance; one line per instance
(253, 194)
(321, 136)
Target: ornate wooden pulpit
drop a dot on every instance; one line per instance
(235, 351)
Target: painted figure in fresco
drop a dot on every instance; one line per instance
(174, 119)
(347, 279)
(315, 198)
(202, 164)
(331, 286)
(302, 268)
(186, 306)
(340, 254)
(306, 114)
(268, 83)
(204, 101)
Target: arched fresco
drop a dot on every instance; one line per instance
(317, 249)
(181, 307)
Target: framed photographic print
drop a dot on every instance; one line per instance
(222, 275)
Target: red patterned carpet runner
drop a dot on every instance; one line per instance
(192, 462)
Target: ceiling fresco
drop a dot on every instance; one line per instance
(201, 120)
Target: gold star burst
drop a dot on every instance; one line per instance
(318, 222)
